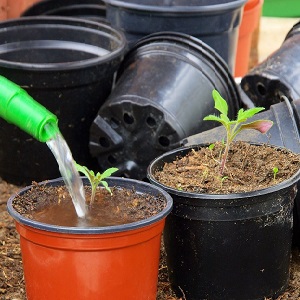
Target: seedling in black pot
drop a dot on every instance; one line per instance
(233, 127)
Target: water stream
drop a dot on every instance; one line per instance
(63, 155)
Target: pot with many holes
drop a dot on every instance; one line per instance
(162, 93)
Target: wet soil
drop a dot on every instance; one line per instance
(53, 205)
(11, 273)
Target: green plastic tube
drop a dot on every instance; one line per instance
(20, 109)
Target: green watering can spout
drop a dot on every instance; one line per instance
(20, 109)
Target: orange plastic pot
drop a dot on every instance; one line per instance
(250, 21)
(114, 262)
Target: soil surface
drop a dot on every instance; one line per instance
(248, 167)
(11, 272)
(53, 205)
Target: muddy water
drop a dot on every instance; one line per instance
(63, 214)
(54, 206)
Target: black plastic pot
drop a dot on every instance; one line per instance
(234, 246)
(277, 75)
(68, 66)
(283, 133)
(214, 22)
(162, 93)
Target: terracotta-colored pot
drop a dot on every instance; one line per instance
(16, 7)
(78, 263)
(250, 21)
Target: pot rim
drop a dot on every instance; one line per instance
(232, 4)
(282, 185)
(96, 230)
(75, 24)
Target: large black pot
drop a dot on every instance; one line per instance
(214, 22)
(283, 133)
(234, 246)
(68, 66)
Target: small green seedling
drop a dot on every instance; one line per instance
(211, 147)
(233, 127)
(223, 179)
(275, 171)
(179, 188)
(95, 180)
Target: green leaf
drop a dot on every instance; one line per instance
(224, 118)
(220, 103)
(243, 115)
(217, 119)
(105, 184)
(108, 172)
(96, 180)
(212, 118)
(84, 170)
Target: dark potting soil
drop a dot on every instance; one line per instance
(248, 167)
(53, 205)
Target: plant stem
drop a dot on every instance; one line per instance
(224, 158)
(93, 194)
(226, 151)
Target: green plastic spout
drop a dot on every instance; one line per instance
(20, 109)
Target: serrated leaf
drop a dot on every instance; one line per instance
(108, 172)
(84, 170)
(105, 184)
(240, 113)
(220, 103)
(261, 125)
(212, 118)
(95, 180)
(243, 115)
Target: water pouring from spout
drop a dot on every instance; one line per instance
(18, 108)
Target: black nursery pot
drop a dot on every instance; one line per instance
(214, 22)
(234, 246)
(162, 93)
(68, 66)
(277, 75)
(283, 133)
